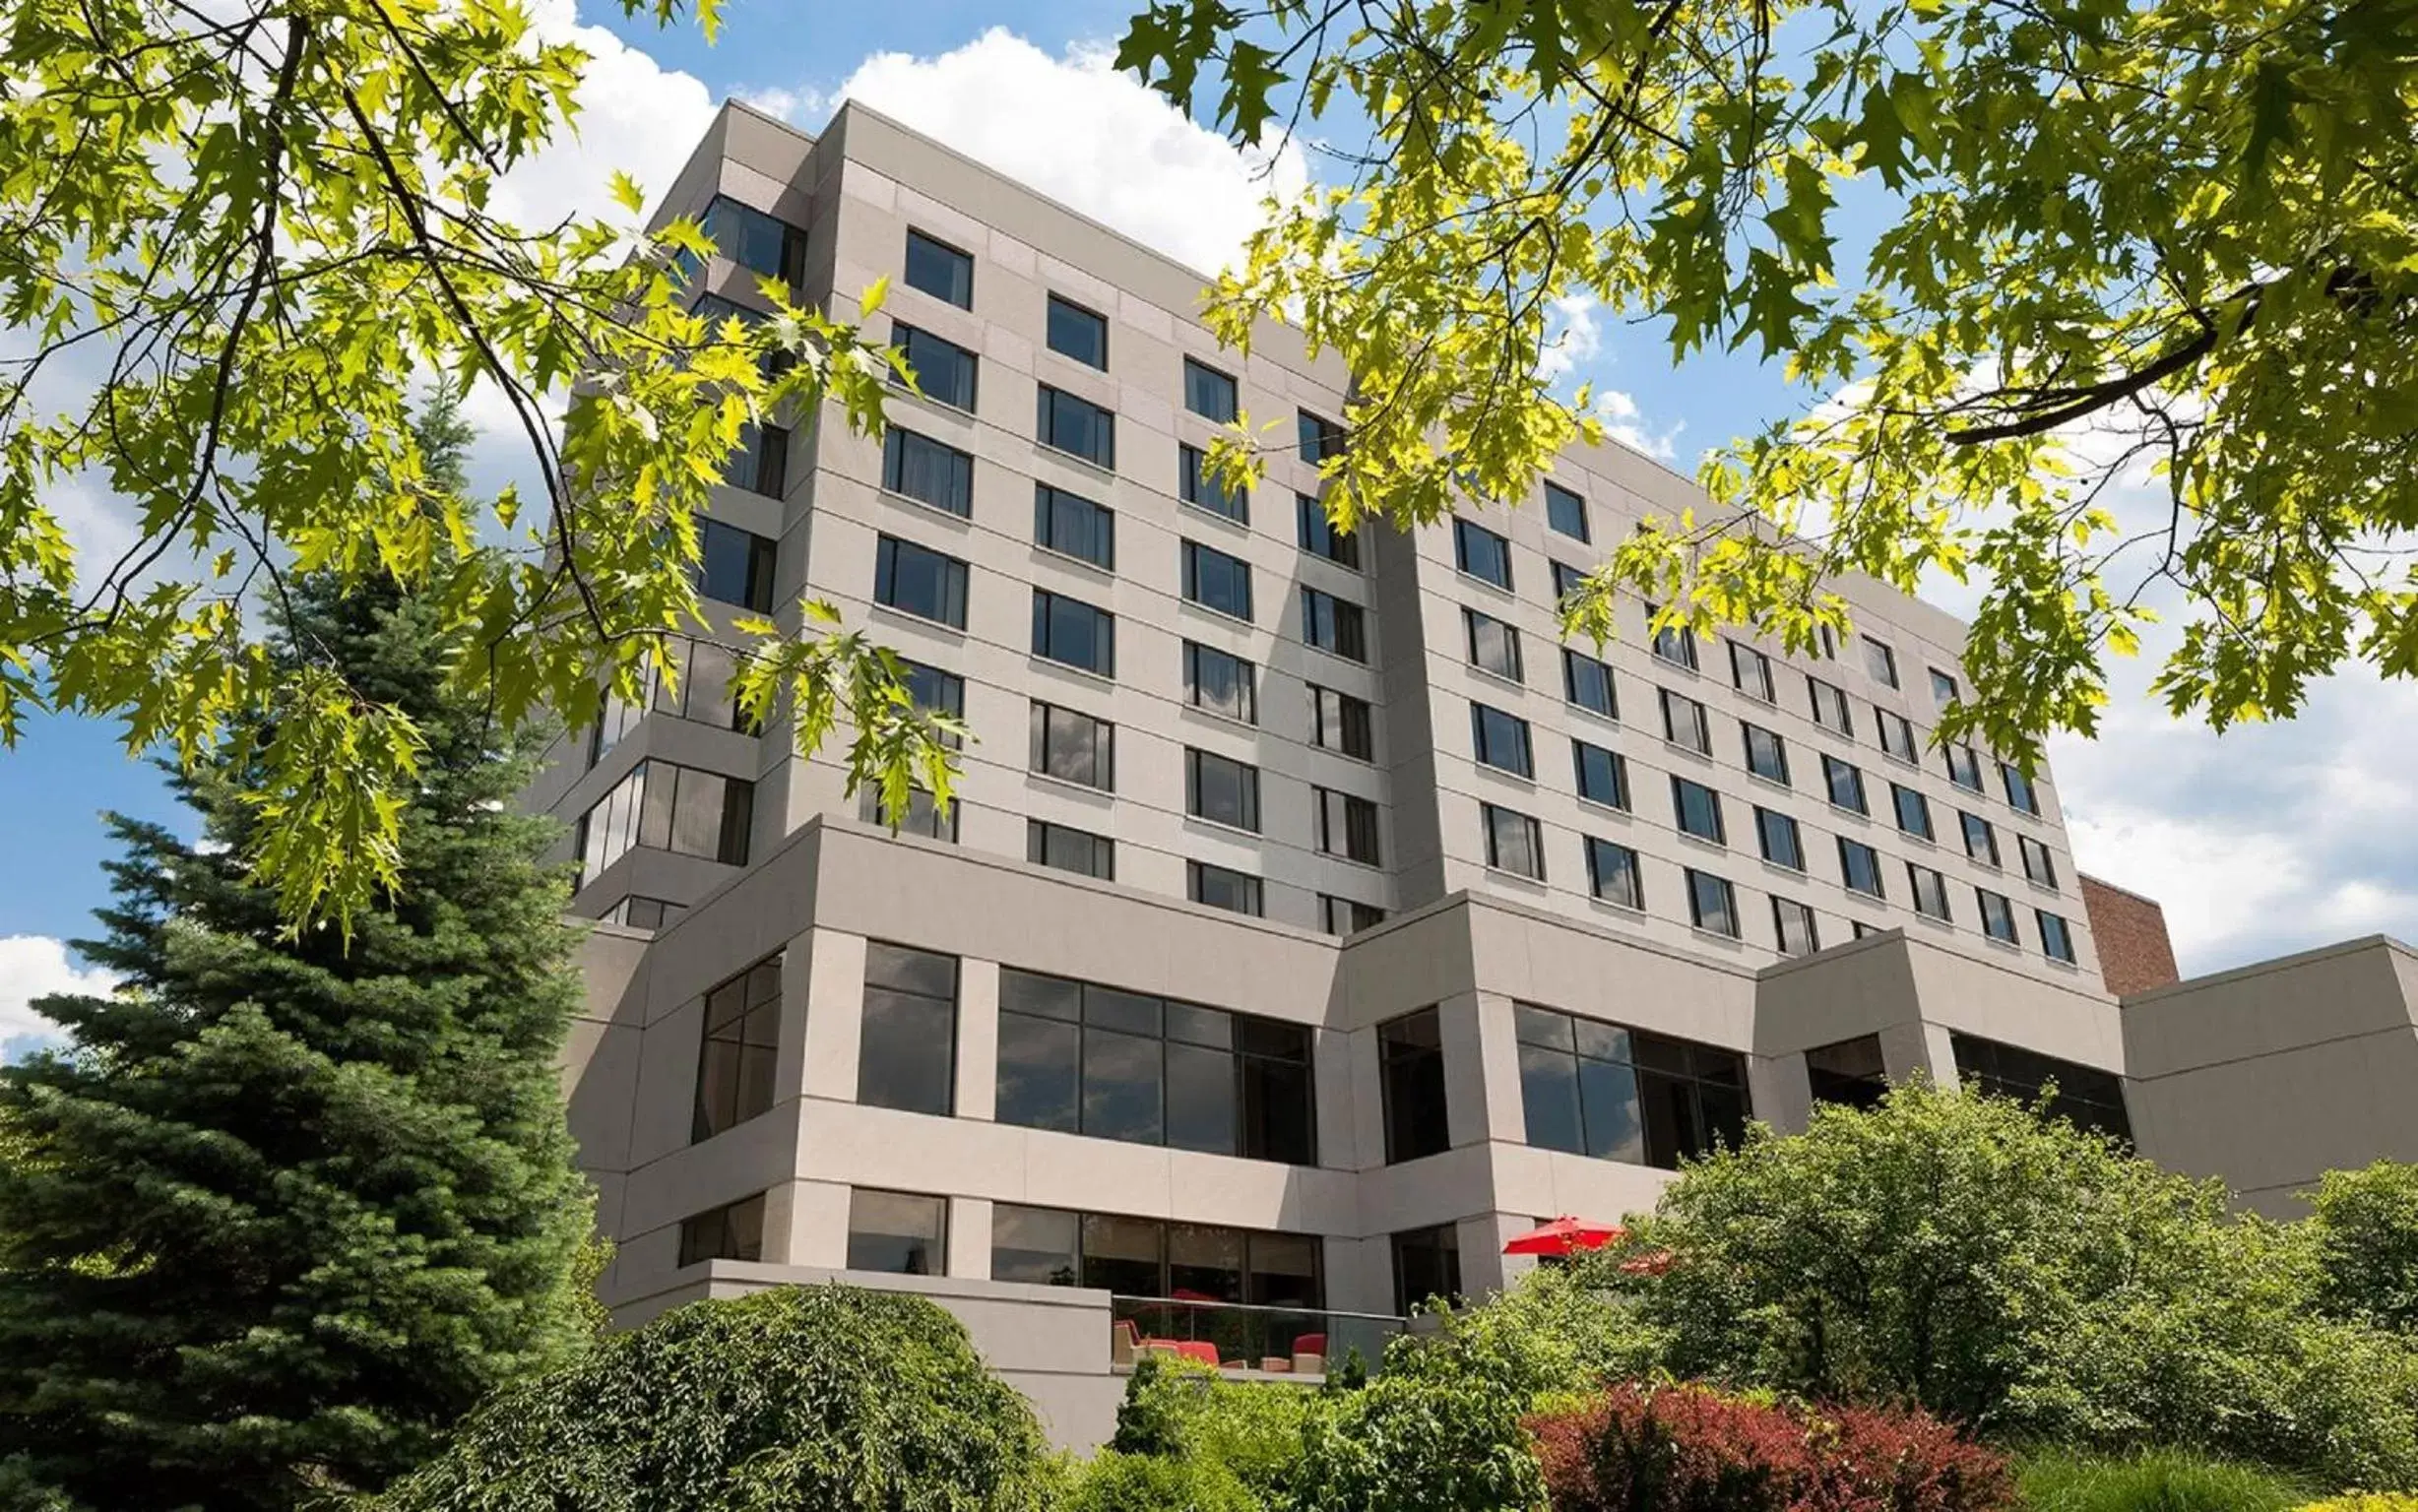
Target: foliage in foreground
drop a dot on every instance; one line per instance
(798, 1397)
(2152, 1481)
(2367, 1227)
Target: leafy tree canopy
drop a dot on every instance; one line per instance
(2172, 235)
(238, 239)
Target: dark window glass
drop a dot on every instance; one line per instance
(1076, 426)
(1599, 1090)
(1318, 438)
(1998, 916)
(1426, 1267)
(1675, 643)
(1964, 767)
(1494, 647)
(2055, 939)
(1500, 740)
(1482, 554)
(1221, 683)
(1074, 747)
(1782, 846)
(2020, 794)
(1751, 670)
(1411, 1080)
(1981, 842)
(1347, 916)
(1793, 928)
(1612, 873)
(1846, 785)
(742, 1050)
(1513, 841)
(928, 472)
(1930, 892)
(761, 463)
(1712, 904)
(1221, 790)
(756, 241)
(1069, 850)
(1222, 888)
(1319, 536)
(1830, 706)
(1338, 722)
(1860, 867)
(1587, 683)
(661, 806)
(1346, 826)
(2039, 865)
(939, 269)
(2091, 1097)
(1565, 512)
(1075, 525)
(1209, 392)
(921, 816)
(897, 1233)
(918, 581)
(732, 1232)
(1201, 488)
(1849, 1073)
(1072, 632)
(1333, 625)
(1913, 810)
(735, 566)
(1897, 735)
(1039, 1246)
(1698, 809)
(1077, 333)
(944, 372)
(1147, 1258)
(1684, 723)
(1602, 775)
(908, 1055)
(1880, 663)
(1567, 581)
(1942, 688)
(1215, 580)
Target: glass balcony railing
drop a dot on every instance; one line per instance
(1240, 1336)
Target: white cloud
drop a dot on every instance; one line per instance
(1573, 337)
(1626, 423)
(634, 115)
(1078, 130)
(35, 965)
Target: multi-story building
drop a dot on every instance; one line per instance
(1313, 915)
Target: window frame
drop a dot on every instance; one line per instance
(1039, 833)
(1247, 788)
(1849, 849)
(1047, 499)
(1045, 618)
(1570, 500)
(1196, 488)
(1509, 638)
(1573, 661)
(1233, 392)
(1532, 837)
(1468, 533)
(1246, 681)
(1045, 428)
(1042, 745)
(1050, 330)
(1615, 763)
(1764, 820)
(1194, 581)
(1522, 754)
(895, 444)
(1782, 910)
(955, 584)
(964, 264)
(1631, 866)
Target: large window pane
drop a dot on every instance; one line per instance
(1209, 392)
(916, 579)
(1221, 683)
(899, 1234)
(1077, 426)
(1123, 1093)
(1549, 1090)
(740, 1051)
(1074, 525)
(945, 371)
(1124, 1255)
(939, 269)
(1039, 1246)
(1078, 333)
(907, 1055)
(1073, 632)
(928, 472)
(1040, 1073)
(735, 566)
(1200, 1099)
(1198, 485)
(1411, 1078)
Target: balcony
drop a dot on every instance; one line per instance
(1244, 1339)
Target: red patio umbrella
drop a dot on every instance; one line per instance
(1566, 1236)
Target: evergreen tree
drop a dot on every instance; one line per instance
(285, 1207)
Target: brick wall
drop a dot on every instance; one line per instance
(2134, 954)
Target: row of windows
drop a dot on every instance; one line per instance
(697, 687)
(665, 807)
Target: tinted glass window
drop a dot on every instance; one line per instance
(945, 371)
(757, 241)
(1712, 904)
(1860, 867)
(1064, 849)
(1612, 873)
(1981, 842)
(1074, 747)
(1482, 554)
(1222, 888)
(1565, 512)
(1338, 722)
(2089, 1097)
(1513, 841)
(928, 472)
(939, 269)
(1077, 333)
(1500, 740)
(918, 581)
(1201, 488)
(1220, 682)
(1346, 826)
(1075, 525)
(907, 1057)
(1913, 810)
(1793, 928)
(1698, 809)
(1221, 790)
(1602, 775)
(1411, 1080)
(1208, 392)
(1319, 438)
(1073, 632)
(2055, 939)
(1751, 670)
(1426, 1267)
(1215, 580)
(1846, 785)
(1587, 683)
(1494, 646)
(1333, 625)
(1077, 426)
(1684, 723)
(742, 1050)
(1766, 754)
(898, 1234)
(1319, 535)
(735, 566)
(1782, 844)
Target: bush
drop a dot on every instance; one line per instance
(1688, 1449)
(1555, 1330)
(1184, 1410)
(1408, 1442)
(1117, 1481)
(811, 1398)
(2367, 1501)
(2366, 1227)
(2157, 1480)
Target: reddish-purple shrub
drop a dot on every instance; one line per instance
(1690, 1449)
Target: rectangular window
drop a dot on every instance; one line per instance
(1567, 581)
(1500, 740)
(1793, 928)
(1427, 1268)
(922, 815)
(1766, 754)
(1850, 1073)
(1088, 1059)
(1341, 917)
(1145, 1258)
(1913, 810)
(928, 472)
(1930, 892)
(2055, 939)
(1675, 643)
(2089, 1097)
(1482, 554)
(1070, 631)
(1209, 392)
(734, 1232)
(2020, 795)
(660, 806)
(1221, 790)
(939, 269)
(1410, 1083)
(897, 1233)
(1684, 723)
(1078, 333)
(1614, 875)
(1565, 512)
(1319, 535)
(1602, 775)
(1513, 841)
(1750, 671)
(1494, 647)
(755, 241)
(1346, 826)
(1942, 688)
(1782, 844)
(1964, 767)
(1998, 916)
(1333, 625)
(918, 581)
(907, 1056)
(1317, 437)
(944, 372)
(742, 1050)
(1200, 487)
(1981, 842)
(1338, 722)
(1074, 747)
(1222, 888)
(1595, 1088)
(648, 913)
(1587, 683)
(1860, 867)
(1712, 904)
(1897, 735)
(1830, 706)
(1076, 426)
(735, 566)
(1069, 850)
(1698, 809)
(1880, 663)
(1221, 683)
(1215, 580)
(2039, 863)
(1073, 526)
(762, 461)
(1846, 785)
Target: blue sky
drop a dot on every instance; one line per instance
(2266, 841)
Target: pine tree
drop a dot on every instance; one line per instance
(283, 1208)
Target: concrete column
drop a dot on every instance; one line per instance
(1485, 1268)
(1466, 1103)
(1331, 1073)
(833, 1002)
(1778, 1087)
(1360, 1275)
(815, 1227)
(1919, 1048)
(1366, 1149)
(1499, 1059)
(978, 1053)
(970, 1235)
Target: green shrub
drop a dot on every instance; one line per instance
(2366, 1227)
(1117, 1481)
(1556, 1330)
(1184, 1410)
(2156, 1481)
(807, 1398)
(1409, 1442)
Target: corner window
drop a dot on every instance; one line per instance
(1793, 928)
(1565, 512)
(1346, 826)
(907, 1056)
(1218, 887)
(928, 472)
(944, 372)
(1930, 893)
(1750, 672)
(1063, 849)
(1513, 841)
(740, 1053)
(1685, 724)
(1209, 392)
(1614, 874)
(1070, 631)
(1410, 1083)
(1333, 625)
(1501, 740)
(1200, 487)
(1076, 426)
(1340, 723)
(1220, 683)
(1981, 842)
(1075, 527)
(1215, 580)
(1846, 785)
(1783, 845)
(1074, 747)
(918, 581)
(897, 1233)
(1602, 776)
(1698, 809)
(735, 566)
(1998, 916)
(1913, 810)
(939, 269)
(1341, 917)
(1587, 683)
(1880, 663)
(1482, 554)
(1221, 790)
(1078, 333)
(1319, 535)
(660, 806)
(1494, 647)
(1595, 1088)
(732, 1232)
(1860, 867)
